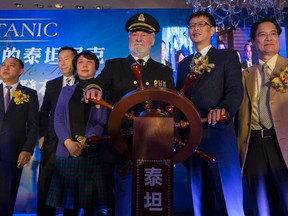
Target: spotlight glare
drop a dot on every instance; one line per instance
(98, 7)
(18, 5)
(79, 6)
(38, 5)
(59, 6)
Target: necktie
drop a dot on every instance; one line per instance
(68, 80)
(264, 109)
(7, 97)
(196, 56)
(141, 62)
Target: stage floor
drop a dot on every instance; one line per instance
(27, 194)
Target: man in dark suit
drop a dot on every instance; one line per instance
(116, 79)
(263, 126)
(216, 188)
(247, 61)
(19, 128)
(163, 55)
(48, 139)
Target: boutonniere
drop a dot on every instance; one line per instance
(280, 80)
(198, 67)
(20, 97)
(202, 65)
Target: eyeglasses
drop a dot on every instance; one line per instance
(198, 25)
(264, 35)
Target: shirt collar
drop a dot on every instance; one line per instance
(271, 63)
(205, 50)
(71, 82)
(144, 58)
(14, 86)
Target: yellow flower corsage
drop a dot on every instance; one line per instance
(82, 141)
(20, 97)
(280, 80)
(201, 65)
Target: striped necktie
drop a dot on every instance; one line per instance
(197, 55)
(68, 80)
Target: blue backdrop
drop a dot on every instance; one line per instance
(36, 35)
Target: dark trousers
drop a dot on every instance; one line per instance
(212, 198)
(267, 176)
(123, 192)
(9, 182)
(45, 177)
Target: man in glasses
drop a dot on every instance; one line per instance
(263, 119)
(216, 188)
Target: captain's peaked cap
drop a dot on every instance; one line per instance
(142, 22)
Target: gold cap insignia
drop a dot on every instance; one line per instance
(141, 18)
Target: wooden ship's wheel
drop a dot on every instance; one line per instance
(156, 94)
(145, 96)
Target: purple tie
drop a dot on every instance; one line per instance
(7, 97)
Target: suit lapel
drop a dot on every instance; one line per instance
(210, 55)
(12, 103)
(192, 87)
(58, 86)
(126, 67)
(251, 79)
(148, 68)
(2, 110)
(279, 66)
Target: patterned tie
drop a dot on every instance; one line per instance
(7, 97)
(196, 56)
(68, 80)
(141, 62)
(264, 109)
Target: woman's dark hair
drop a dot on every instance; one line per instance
(89, 55)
